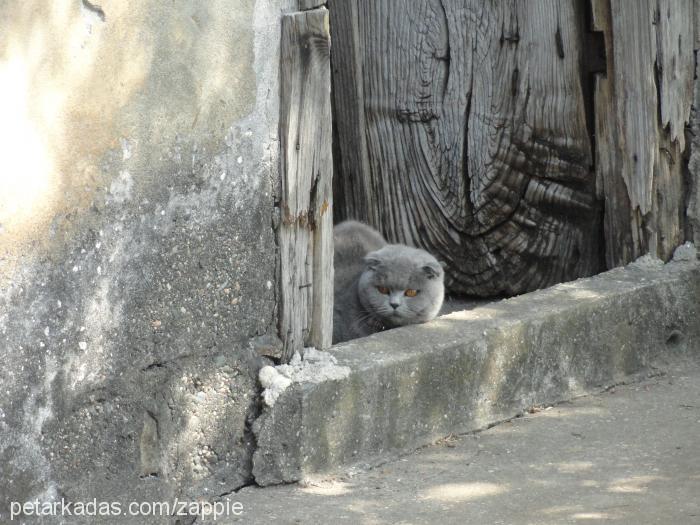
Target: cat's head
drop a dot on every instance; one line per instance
(401, 285)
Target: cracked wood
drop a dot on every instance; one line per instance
(306, 229)
(643, 105)
(461, 128)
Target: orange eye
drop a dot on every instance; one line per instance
(411, 293)
(383, 290)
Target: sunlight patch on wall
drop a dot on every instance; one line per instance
(26, 179)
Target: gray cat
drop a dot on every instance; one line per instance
(379, 285)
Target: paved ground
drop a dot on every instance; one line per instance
(628, 455)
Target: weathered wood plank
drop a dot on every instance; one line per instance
(693, 211)
(321, 331)
(623, 241)
(462, 129)
(305, 233)
(696, 24)
(675, 65)
(349, 114)
(634, 51)
(642, 107)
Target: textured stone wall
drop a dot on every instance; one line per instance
(138, 176)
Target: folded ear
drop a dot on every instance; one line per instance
(372, 261)
(433, 270)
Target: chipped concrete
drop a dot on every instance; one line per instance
(314, 367)
(470, 369)
(685, 252)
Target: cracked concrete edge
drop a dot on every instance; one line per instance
(469, 370)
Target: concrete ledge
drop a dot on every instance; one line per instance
(468, 370)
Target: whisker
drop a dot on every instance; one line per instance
(368, 316)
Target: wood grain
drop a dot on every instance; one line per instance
(305, 233)
(693, 172)
(642, 108)
(461, 128)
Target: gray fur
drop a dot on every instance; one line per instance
(363, 262)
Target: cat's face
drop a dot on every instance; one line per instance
(401, 285)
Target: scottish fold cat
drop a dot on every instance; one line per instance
(380, 286)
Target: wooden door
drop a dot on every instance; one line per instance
(469, 128)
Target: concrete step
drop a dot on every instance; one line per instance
(393, 392)
(628, 455)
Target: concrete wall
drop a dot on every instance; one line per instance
(138, 171)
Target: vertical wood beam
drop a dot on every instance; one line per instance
(693, 211)
(306, 228)
(642, 107)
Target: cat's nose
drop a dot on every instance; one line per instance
(394, 305)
